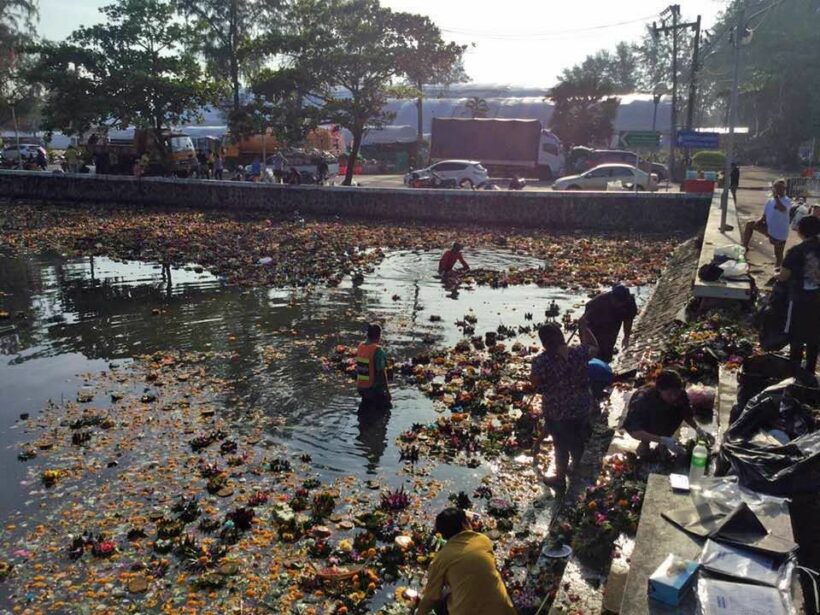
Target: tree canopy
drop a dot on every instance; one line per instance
(230, 41)
(16, 32)
(136, 68)
(350, 54)
(585, 107)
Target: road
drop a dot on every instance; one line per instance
(397, 181)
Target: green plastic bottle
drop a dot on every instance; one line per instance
(697, 467)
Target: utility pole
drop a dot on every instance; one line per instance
(674, 11)
(737, 37)
(693, 78)
(674, 121)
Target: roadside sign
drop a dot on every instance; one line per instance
(640, 138)
(692, 139)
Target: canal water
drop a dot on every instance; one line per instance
(74, 317)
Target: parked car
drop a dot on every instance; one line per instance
(466, 173)
(583, 158)
(600, 176)
(11, 153)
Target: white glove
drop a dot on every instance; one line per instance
(673, 446)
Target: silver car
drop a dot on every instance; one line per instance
(598, 178)
(467, 173)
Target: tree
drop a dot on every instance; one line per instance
(779, 79)
(229, 45)
(477, 107)
(585, 108)
(133, 69)
(428, 59)
(348, 55)
(277, 106)
(17, 97)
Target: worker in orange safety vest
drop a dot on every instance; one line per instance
(371, 372)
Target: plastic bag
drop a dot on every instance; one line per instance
(701, 398)
(734, 269)
(770, 320)
(721, 597)
(743, 564)
(757, 373)
(733, 251)
(768, 466)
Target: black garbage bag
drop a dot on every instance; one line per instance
(770, 319)
(758, 372)
(776, 469)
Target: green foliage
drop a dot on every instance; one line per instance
(135, 68)
(17, 19)
(277, 107)
(709, 161)
(585, 109)
(346, 55)
(230, 42)
(780, 79)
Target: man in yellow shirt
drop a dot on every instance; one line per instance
(466, 565)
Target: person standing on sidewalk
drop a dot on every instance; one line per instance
(774, 223)
(801, 269)
(734, 181)
(560, 374)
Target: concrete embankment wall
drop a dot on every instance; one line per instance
(600, 211)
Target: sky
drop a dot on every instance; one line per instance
(517, 42)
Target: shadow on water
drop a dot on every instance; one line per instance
(70, 317)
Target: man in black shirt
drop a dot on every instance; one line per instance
(656, 413)
(801, 270)
(605, 315)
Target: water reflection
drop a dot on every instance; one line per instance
(81, 312)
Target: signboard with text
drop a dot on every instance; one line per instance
(692, 139)
(640, 138)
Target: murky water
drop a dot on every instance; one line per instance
(72, 317)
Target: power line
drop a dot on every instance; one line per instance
(544, 34)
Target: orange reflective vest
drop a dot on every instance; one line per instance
(366, 366)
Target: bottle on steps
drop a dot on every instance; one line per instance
(697, 467)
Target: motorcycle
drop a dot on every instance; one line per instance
(418, 180)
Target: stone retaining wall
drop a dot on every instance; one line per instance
(600, 211)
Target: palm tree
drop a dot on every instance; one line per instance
(477, 107)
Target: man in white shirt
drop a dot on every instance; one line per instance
(774, 223)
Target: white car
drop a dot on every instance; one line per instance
(10, 152)
(467, 173)
(598, 177)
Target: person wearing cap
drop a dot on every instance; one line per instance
(450, 258)
(371, 372)
(606, 314)
(774, 223)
